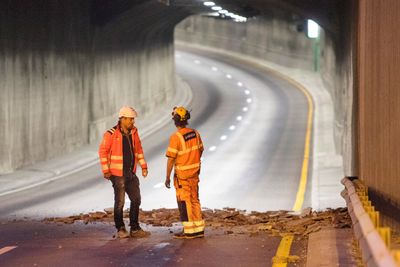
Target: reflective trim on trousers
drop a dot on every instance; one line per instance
(193, 226)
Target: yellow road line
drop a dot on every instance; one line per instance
(6, 249)
(282, 254)
(298, 204)
(304, 170)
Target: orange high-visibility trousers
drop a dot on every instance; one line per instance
(187, 196)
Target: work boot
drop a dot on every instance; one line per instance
(180, 235)
(195, 235)
(122, 233)
(139, 233)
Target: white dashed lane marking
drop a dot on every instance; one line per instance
(238, 118)
(213, 148)
(159, 185)
(6, 249)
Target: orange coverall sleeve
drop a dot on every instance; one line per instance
(201, 147)
(139, 151)
(173, 147)
(104, 152)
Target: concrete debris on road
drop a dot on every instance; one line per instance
(233, 221)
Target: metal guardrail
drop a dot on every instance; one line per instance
(373, 240)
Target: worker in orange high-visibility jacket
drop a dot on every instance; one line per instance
(184, 153)
(120, 151)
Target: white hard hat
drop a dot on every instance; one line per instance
(127, 112)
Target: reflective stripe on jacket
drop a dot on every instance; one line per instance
(111, 152)
(186, 147)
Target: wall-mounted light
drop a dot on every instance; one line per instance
(223, 11)
(312, 29)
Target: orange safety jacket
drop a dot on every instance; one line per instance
(111, 154)
(186, 147)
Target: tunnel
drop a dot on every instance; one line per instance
(284, 116)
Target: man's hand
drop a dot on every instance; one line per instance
(144, 172)
(107, 175)
(168, 182)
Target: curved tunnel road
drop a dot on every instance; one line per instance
(253, 126)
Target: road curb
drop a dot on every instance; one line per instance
(373, 248)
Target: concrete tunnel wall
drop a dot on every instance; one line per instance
(275, 38)
(64, 77)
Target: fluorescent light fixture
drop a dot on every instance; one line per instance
(312, 29)
(216, 8)
(238, 18)
(223, 11)
(208, 3)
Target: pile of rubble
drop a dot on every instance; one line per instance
(232, 220)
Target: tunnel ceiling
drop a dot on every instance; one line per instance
(326, 12)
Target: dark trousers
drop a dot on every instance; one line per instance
(130, 185)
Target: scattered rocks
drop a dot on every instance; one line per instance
(233, 221)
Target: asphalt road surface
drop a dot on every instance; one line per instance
(253, 126)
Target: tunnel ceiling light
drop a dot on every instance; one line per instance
(213, 14)
(216, 8)
(241, 19)
(223, 11)
(230, 14)
(208, 3)
(312, 29)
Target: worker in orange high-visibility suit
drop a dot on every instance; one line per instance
(184, 153)
(120, 151)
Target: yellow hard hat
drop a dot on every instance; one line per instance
(181, 112)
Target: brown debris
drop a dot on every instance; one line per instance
(233, 221)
